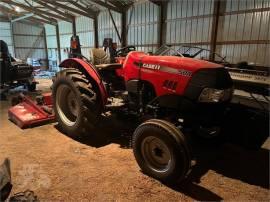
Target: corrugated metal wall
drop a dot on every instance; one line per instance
(142, 25)
(65, 31)
(52, 46)
(189, 22)
(51, 42)
(85, 31)
(244, 30)
(28, 41)
(106, 28)
(6, 35)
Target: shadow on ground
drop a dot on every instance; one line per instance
(237, 155)
(110, 129)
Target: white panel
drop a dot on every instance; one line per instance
(64, 54)
(8, 40)
(65, 27)
(84, 24)
(85, 31)
(5, 33)
(50, 29)
(25, 37)
(11, 50)
(65, 40)
(51, 42)
(26, 29)
(245, 27)
(28, 41)
(106, 28)
(4, 25)
(37, 54)
(143, 26)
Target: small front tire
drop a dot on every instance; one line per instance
(161, 150)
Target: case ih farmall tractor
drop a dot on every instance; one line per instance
(172, 94)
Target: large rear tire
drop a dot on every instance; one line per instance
(76, 102)
(161, 151)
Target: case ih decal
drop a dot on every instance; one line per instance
(182, 72)
(151, 66)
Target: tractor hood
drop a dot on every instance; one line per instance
(190, 64)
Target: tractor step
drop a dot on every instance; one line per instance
(115, 103)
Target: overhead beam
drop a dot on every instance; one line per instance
(22, 17)
(83, 8)
(68, 8)
(157, 2)
(56, 10)
(108, 6)
(119, 5)
(38, 12)
(33, 19)
(42, 21)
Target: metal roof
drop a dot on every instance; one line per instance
(51, 11)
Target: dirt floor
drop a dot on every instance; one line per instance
(58, 168)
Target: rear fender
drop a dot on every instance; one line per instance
(90, 70)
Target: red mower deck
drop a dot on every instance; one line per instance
(29, 113)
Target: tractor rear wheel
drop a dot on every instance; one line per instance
(161, 150)
(76, 102)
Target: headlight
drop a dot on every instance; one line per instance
(215, 95)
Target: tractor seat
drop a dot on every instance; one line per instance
(111, 66)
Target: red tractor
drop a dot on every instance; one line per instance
(173, 94)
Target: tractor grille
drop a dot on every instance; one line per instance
(208, 78)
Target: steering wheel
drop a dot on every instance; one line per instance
(122, 52)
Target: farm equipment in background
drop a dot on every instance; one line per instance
(14, 72)
(173, 94)
(26, 112)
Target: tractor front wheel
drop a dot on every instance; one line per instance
(76, 102)
(161, 150)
